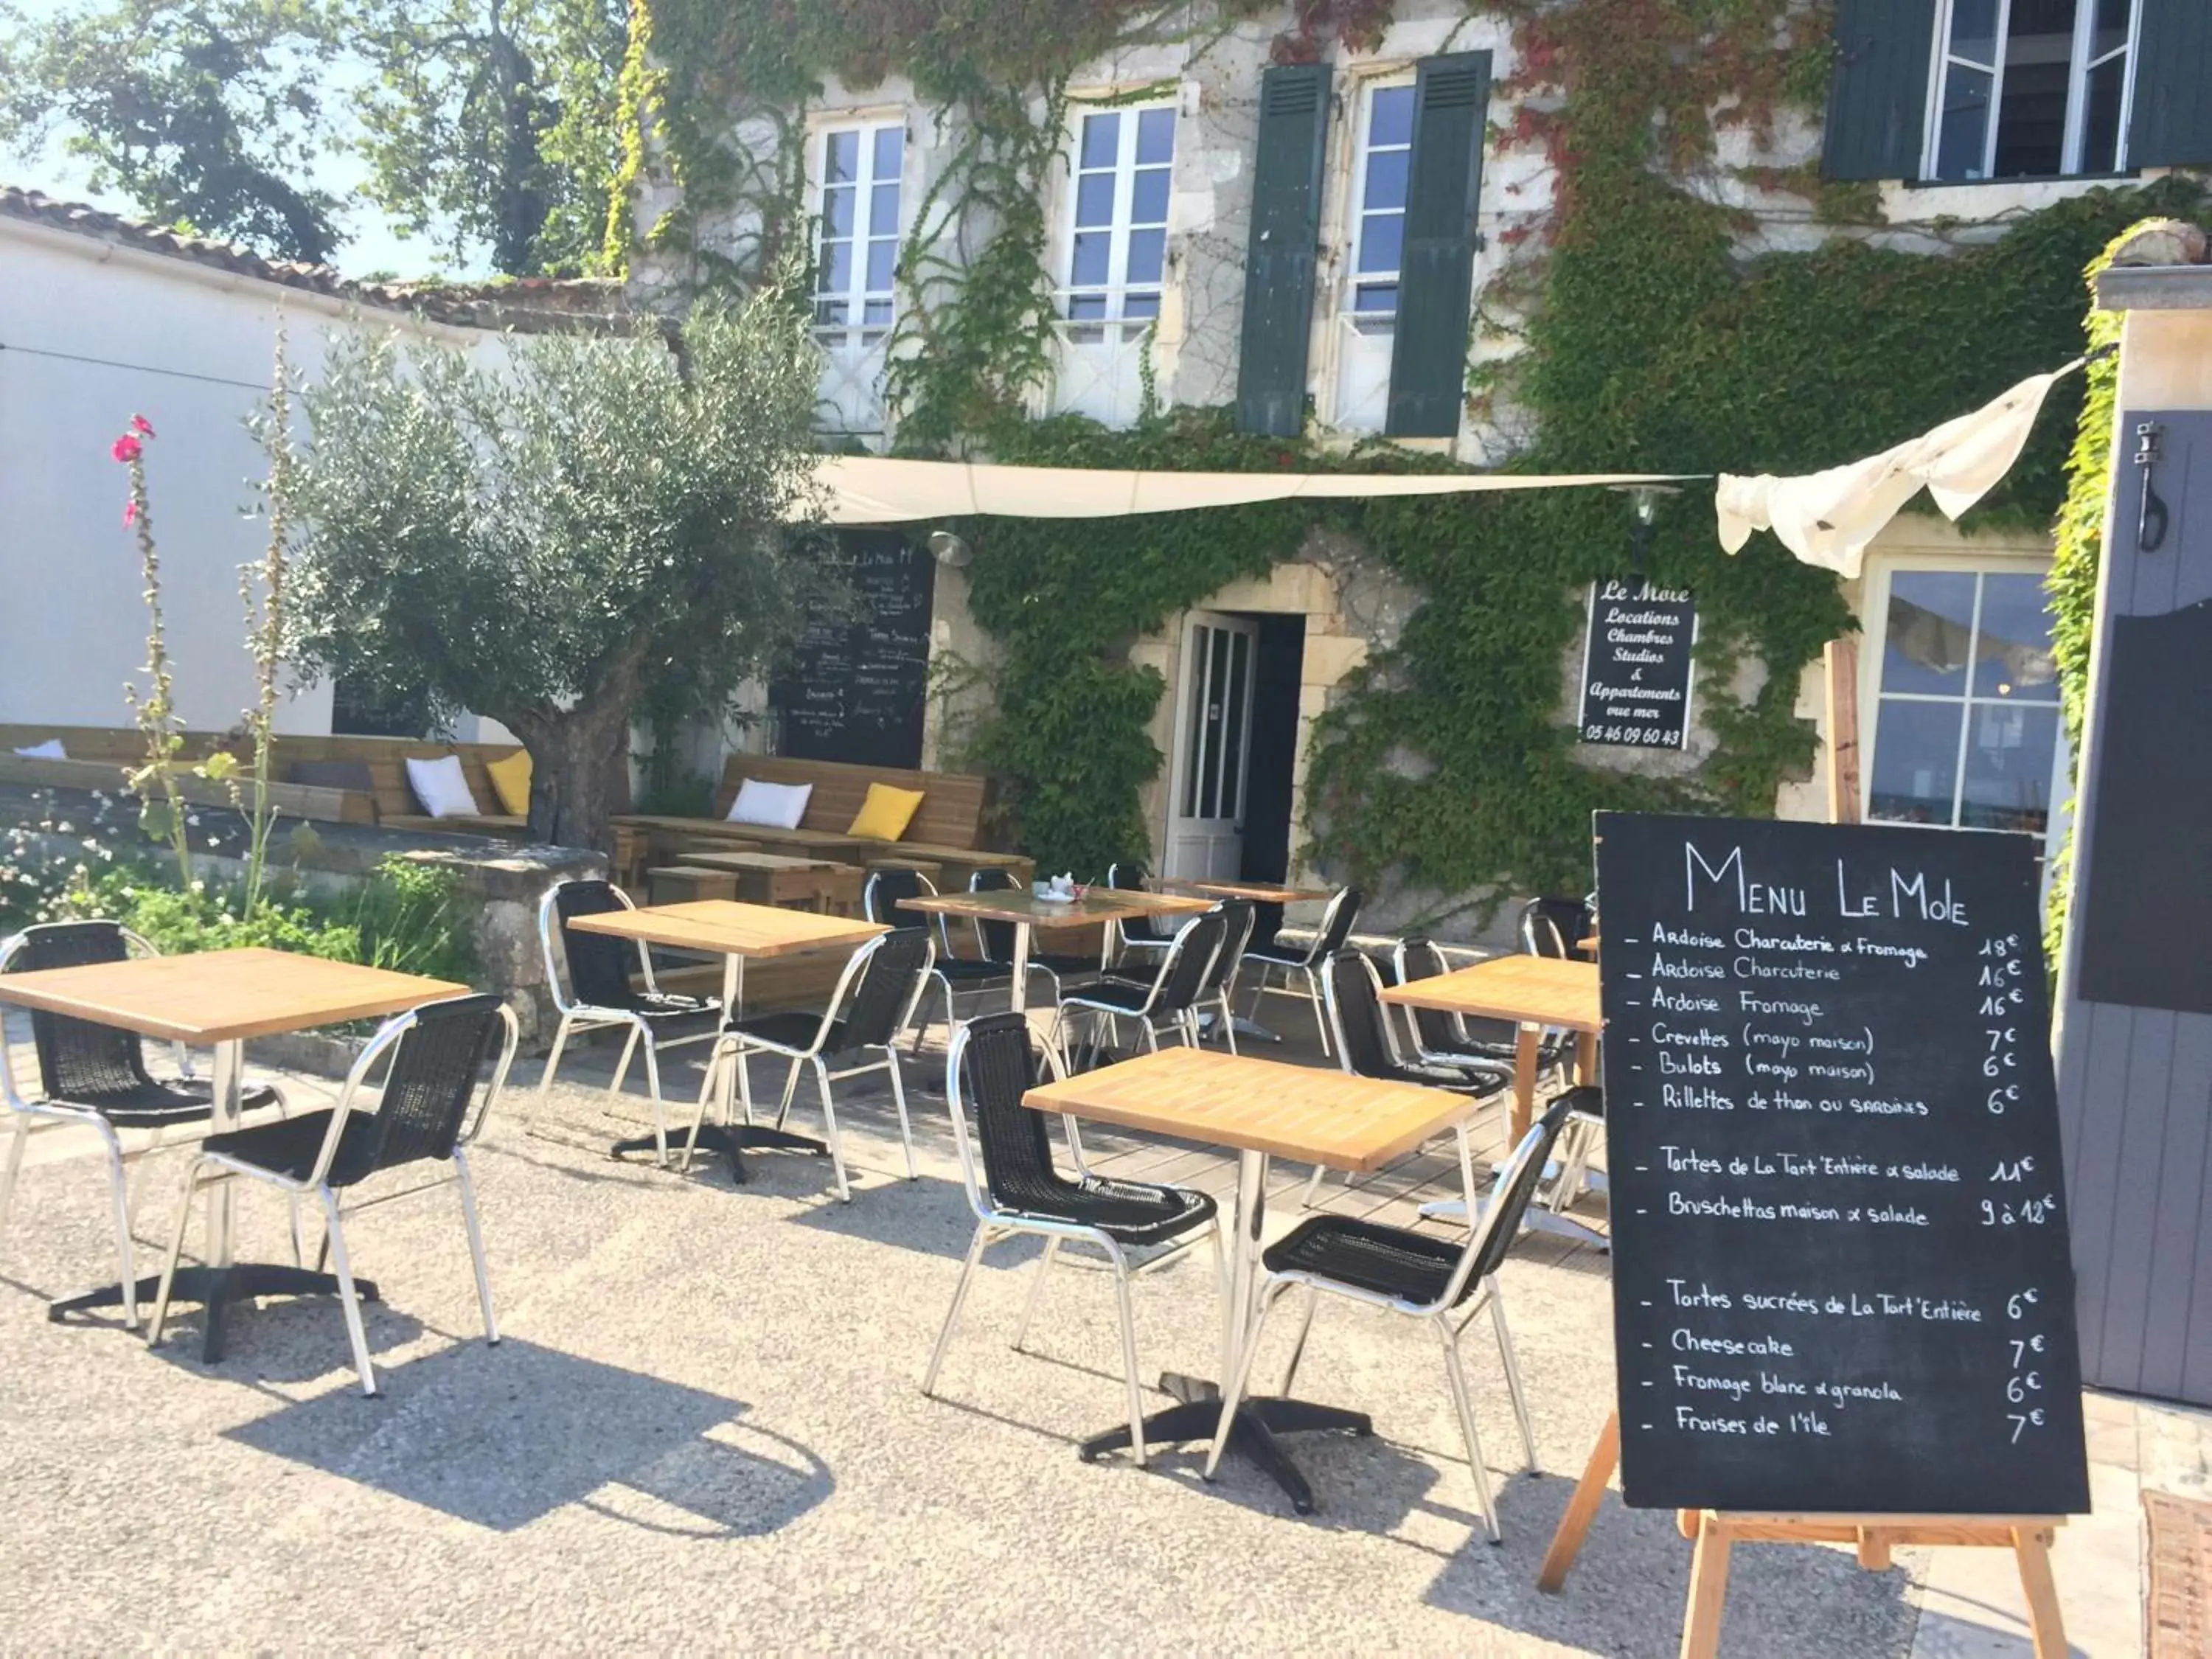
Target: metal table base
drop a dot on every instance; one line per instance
(1198, 1417)
(215, 1289)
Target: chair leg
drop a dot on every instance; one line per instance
(899, 1099)
(659, 1112)
(952, 1314)
(1228, 1021)
(176, 1249)
(1037, 1293)
(1463, 1403)
(1319, 1014)
(14, 1165)
(553, 1059)
(145, 1164)
(1298, 1347)
(1513, 1379)
(1129, 1359)
(119, 1184)
(1313, 1187)
(622, 1066)
(1232, 1391)
(342, 1269)
(829, 1126)
(790, 1089)
(476, 1244)
(1466, 1171)
(716, 1057)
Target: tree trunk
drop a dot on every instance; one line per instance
(579, 774)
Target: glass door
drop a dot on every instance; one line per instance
(1205, 816)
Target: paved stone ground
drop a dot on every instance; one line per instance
(705, 1428)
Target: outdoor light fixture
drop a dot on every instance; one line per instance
(948, 548)
(1644, 500)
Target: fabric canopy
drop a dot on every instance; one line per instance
(871, 489)
(1828, 518)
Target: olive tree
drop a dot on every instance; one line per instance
(544, 528)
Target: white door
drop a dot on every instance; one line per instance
(1205, 816)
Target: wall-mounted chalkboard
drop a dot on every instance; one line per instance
(859, 683)
(1636, 665)
(1841, 1278)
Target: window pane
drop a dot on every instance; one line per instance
(1974, 30)
(1141, 305)
(1916, 761)
(841, 158)
(1101, 138)
(2012, 753)
(882, 210)
(1081, 305)
(877, 311)
(1232, 735)
(1147, 252)
(1382, 241)
(1931, 619)
(2032, 117)
(1093, 199)
(891, 148)
(1155, 137)
(1148, 199)
(1391, 116)
(2111, 28)
(1088, 268)
(836, 267)
(2100, 122)
(1963, 124)
(829, 311)
(837, 212)
(2013, 659)
(883, 256)
(1375, 297)
(1386, 180)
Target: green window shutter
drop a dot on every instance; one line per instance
(1878, 101)
(1428, 355)
(1279, 259)
(2171, 125)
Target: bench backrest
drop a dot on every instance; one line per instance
(386, 759)
(951, 813)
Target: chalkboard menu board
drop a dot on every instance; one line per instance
(1841, 1279)
(1635, 668)
(858, 688)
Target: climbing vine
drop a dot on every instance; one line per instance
(1655, 335)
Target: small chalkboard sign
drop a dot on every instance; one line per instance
(1841, 1275)
(1637, 666)
(858, 684)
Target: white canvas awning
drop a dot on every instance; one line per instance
(1828, 518)
(871, 489)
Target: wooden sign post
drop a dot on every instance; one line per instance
(1843, 1299)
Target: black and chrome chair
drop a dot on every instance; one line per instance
(599, 994)
(1006, 1163)
(1585, 1128)
(1416, 1275)
(96, 1077)
(1142, 937)
(1166, 1002)
(436, 1054)
(1214, 997)
(955, 974)
(1554, 926)
(873, 1002)
(1302, 967)
(1442, 1039)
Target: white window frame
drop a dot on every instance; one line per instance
(1874, 619)
(856, 333)
(1116, 324)
(2077, 90)
(1382, 324)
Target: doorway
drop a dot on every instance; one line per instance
(1229, 815)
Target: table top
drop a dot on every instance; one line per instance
(726, 927)
(1533, 990)
(223, 996)
(1260, 892)
(741, 861)
(1099, 904)
(1301, 1112)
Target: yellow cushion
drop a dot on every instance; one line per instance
(510, 780)
(886, 812)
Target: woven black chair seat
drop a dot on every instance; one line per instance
(1127, 1211)
(662, 1004)
(1121, 994)
(787, 1030)
(152, 1103)
(1064, 964)
(1282, 955)
(288, 1145)
(962, 971)
(1586, 1102)
(1388, 1261)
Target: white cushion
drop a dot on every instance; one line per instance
(442, 787)
(771, 805)
(50, 750)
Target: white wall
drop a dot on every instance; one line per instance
(190, 347)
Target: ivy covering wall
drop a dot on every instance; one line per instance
(1654, 346)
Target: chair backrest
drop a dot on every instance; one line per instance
(1336, 921)
(988, 1070)
(885, 889)
(1419, 958)
(437, 1053)
(1190, 961)
(994, 939)
(896, 963)
(1131, 877)
(600, 964)
(1555, 926)
(1353, 992)
(1235, 933)
(79, 1060)
(1516, 1186)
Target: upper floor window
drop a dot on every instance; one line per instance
(2029, 88)
(1378, 209)
(857, 249)
(1117, 244)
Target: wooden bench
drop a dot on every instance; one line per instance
(386, 759)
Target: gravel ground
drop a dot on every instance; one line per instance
(705, 1428)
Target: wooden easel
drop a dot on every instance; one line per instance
(1717, 1532)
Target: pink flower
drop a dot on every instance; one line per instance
(129, 514)
(126, 448)
(141, 426)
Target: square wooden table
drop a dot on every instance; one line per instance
(734, 931)
(1533, 992)
(217, 1000)
(1264, 1110)
(1025, 910)
(1259, 892)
